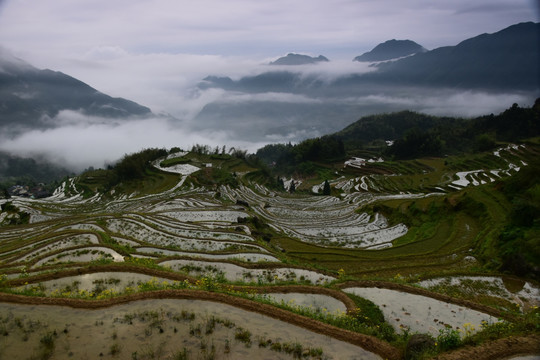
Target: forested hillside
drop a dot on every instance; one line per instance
(417, 135)
(406, 135)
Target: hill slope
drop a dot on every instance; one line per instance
(30, 97)
(506, 59)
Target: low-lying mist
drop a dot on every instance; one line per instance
(189, 114)
(78, 146)
(241, 120)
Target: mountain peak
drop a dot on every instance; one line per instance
(299, 59)
(391, 49)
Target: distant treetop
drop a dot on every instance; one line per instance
(298, 59)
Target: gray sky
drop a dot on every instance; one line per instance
(146, 50)
(74, 28)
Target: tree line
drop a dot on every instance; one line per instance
(417, 135)
(288, 158)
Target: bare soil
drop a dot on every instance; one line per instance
(498, 349)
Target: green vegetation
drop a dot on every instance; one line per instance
(212, 177)
(301, 158)
(418, 135)
(518, 243)
(134, 166)
(13, 215)
(47, 345)
(174, 161)
(29, 171)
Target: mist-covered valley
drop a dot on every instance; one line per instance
(247, 103)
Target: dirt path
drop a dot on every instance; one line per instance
(498, 349)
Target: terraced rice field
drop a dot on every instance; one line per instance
(71, 245)
(322, 221)
(420, 176)
(145, 259)
(511, 291)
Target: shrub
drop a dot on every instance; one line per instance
(243, 335)
(448, 339)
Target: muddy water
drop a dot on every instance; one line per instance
(420, 313)
(80, 255)
(234, 272)
(108, 334)
(320, 302)
(117, 281)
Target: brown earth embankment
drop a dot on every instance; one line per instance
(497, 349)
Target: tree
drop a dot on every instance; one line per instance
(484, 142)
(134, 166)
(6, 193)
(292, 188)
(326, 188)
(280, 183)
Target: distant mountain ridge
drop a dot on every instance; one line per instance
(30, 97)
(391, 49)
(299, 59)
(506, 60)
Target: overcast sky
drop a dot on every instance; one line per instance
(147, 50)
(155, 51)
(81, 36)
(76, 28)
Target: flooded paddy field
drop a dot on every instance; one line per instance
(151, 329)
(422, 314)
(273, 252)
(240, 256)
(317, 302)
(235, 273)
(118, 282)
(522, 293)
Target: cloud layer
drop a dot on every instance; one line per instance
(81, 142)
(243, 26)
